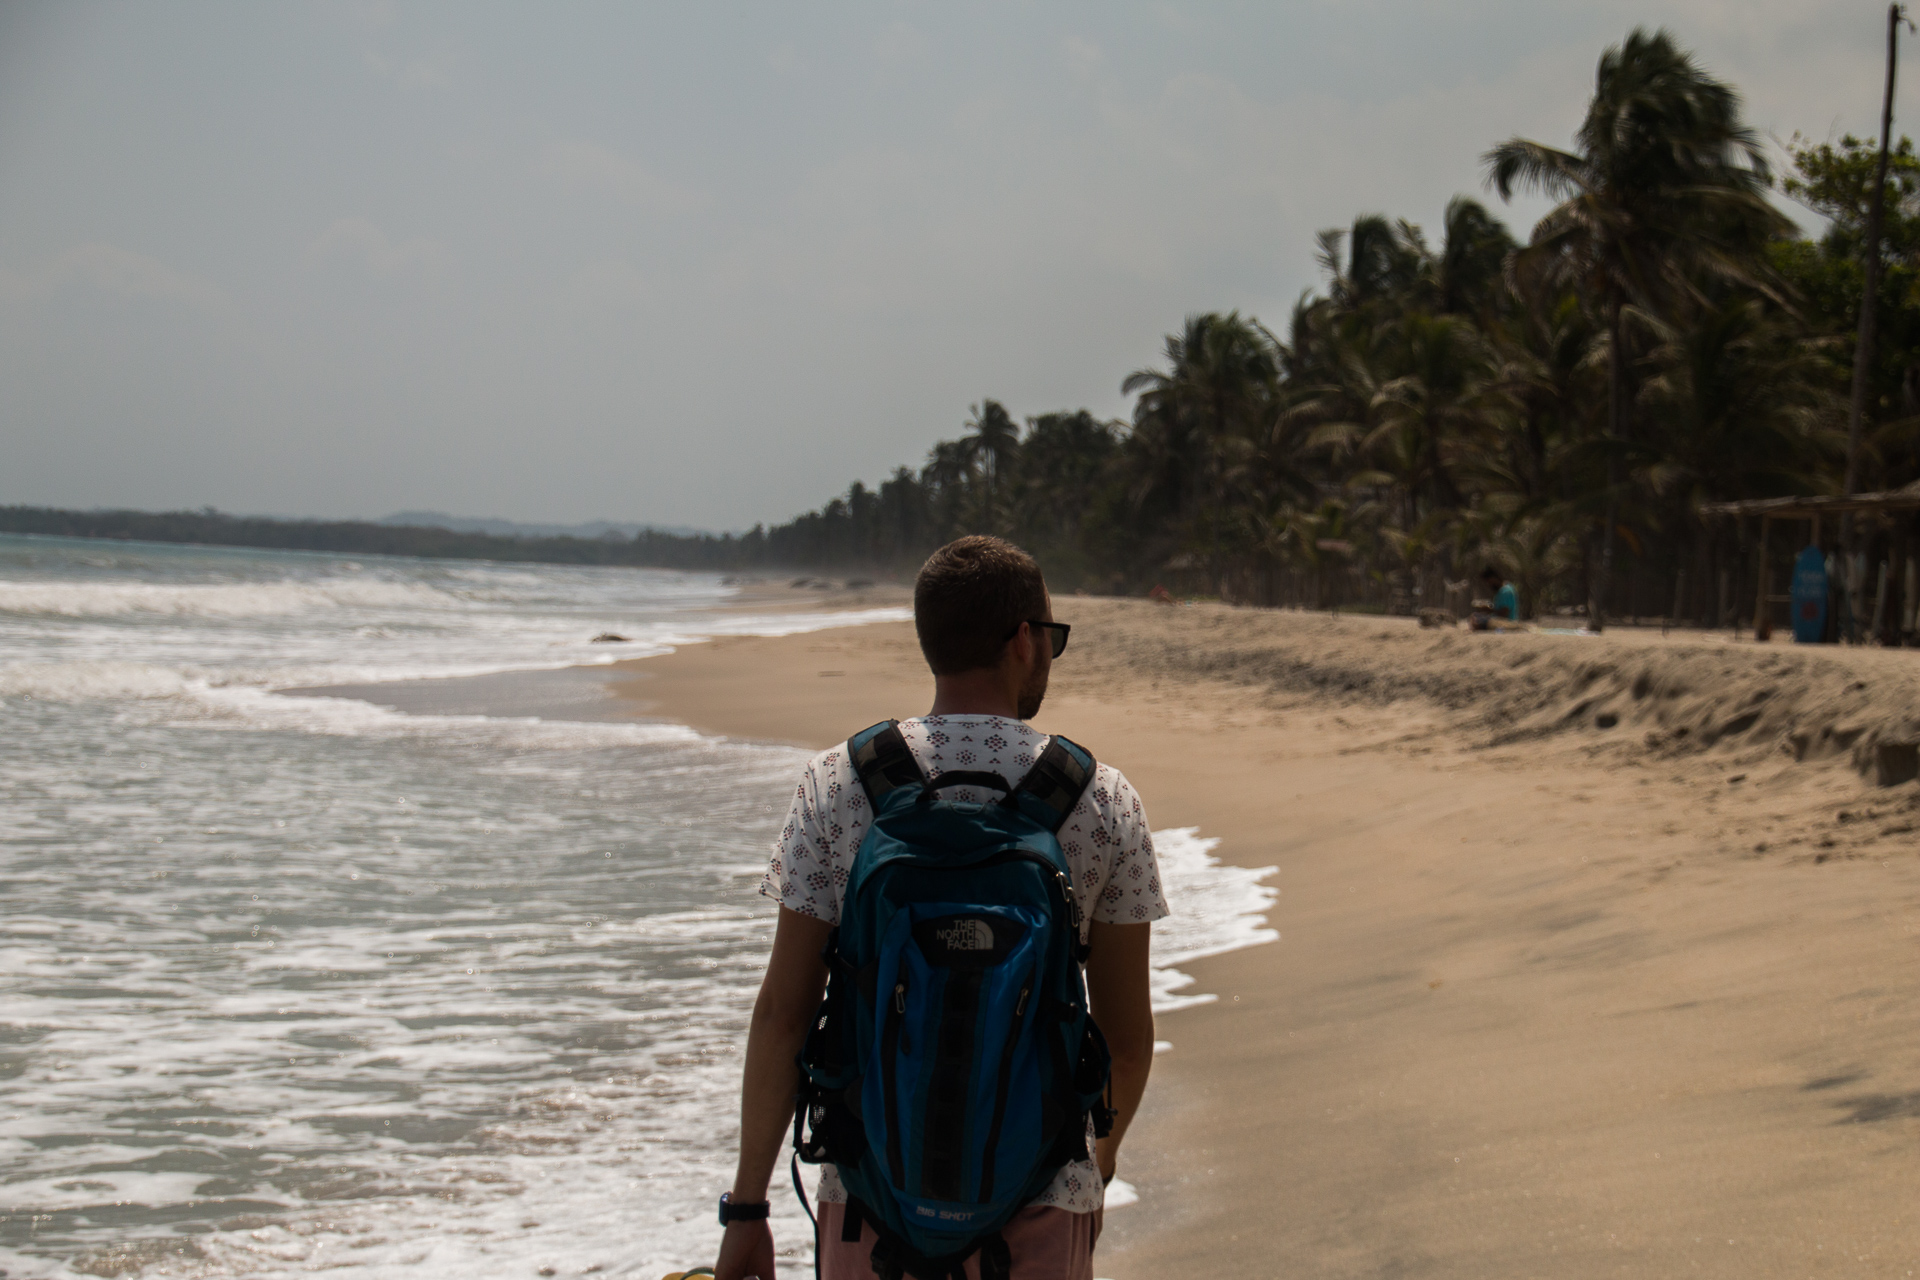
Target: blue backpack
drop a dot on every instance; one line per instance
(953, 1065)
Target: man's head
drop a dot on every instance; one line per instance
(1493, 578)
(971, 606)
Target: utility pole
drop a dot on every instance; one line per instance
(1869, 297)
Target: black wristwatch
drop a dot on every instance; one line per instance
(743, 1212)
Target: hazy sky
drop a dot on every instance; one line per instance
(706, 263)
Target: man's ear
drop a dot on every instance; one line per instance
(1020, 647)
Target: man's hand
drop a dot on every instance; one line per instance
(745, 1251)
(1120, 996)
(789, 997)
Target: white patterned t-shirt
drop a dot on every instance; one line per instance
(1108, 846)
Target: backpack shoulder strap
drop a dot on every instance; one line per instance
(1055, 784)
(882, 761)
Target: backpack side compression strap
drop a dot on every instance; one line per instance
(1057, 781)
(882, 760)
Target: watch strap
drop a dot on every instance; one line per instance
(743, 1210)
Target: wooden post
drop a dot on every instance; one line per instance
(1720, 617)
(1880, 602)
(1762, 627)
(1911, 599)
(1896, 581)
(1869, 293)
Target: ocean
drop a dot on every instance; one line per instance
(293, 984)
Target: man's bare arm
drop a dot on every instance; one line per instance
(1120, 996)
(789, 997)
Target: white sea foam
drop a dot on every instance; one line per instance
(1216, 908)
(224, 601)
(170, 622)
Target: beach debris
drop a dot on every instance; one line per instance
(859, 584)
(609, 637)
(1605, 720)
(1438, 618)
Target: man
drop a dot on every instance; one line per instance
(1499, 604)
(985, 624)
(1505, 603)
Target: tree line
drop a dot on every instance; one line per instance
(1562, 408)
(208, 527)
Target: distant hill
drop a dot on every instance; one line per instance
(818, 539)
(499, 528)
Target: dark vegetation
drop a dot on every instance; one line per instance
(1562, 408)
(365, 537)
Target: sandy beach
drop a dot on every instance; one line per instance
(1598, 955)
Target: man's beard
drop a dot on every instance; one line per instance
(1032, 695)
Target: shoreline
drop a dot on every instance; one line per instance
(573, 690)
(1549, 997)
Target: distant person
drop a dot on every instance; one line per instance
(920, 868)
(1499, 602)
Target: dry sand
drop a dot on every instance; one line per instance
(1551, 999)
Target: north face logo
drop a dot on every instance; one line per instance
(966, 935)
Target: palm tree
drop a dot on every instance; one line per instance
(990, 449)
(1201, 422)
(1443, 403)
(1065, 462)
(1383, 261)
(1666, 188)
(1469, 273)
(1536, 481)
(1749, 405)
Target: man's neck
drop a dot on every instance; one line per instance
(975, 693)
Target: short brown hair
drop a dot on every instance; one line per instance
(970, 594)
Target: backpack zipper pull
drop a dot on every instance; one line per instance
(1021, 1007)
(899, 997)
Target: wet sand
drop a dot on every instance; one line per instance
(1599, 956)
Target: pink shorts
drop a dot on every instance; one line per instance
(1046, 1244)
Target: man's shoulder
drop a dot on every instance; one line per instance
(1110, 787)
(828, 765)
(837, 753)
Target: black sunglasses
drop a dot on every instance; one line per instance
(1058, 630)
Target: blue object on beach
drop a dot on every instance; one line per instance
(1809, 596)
